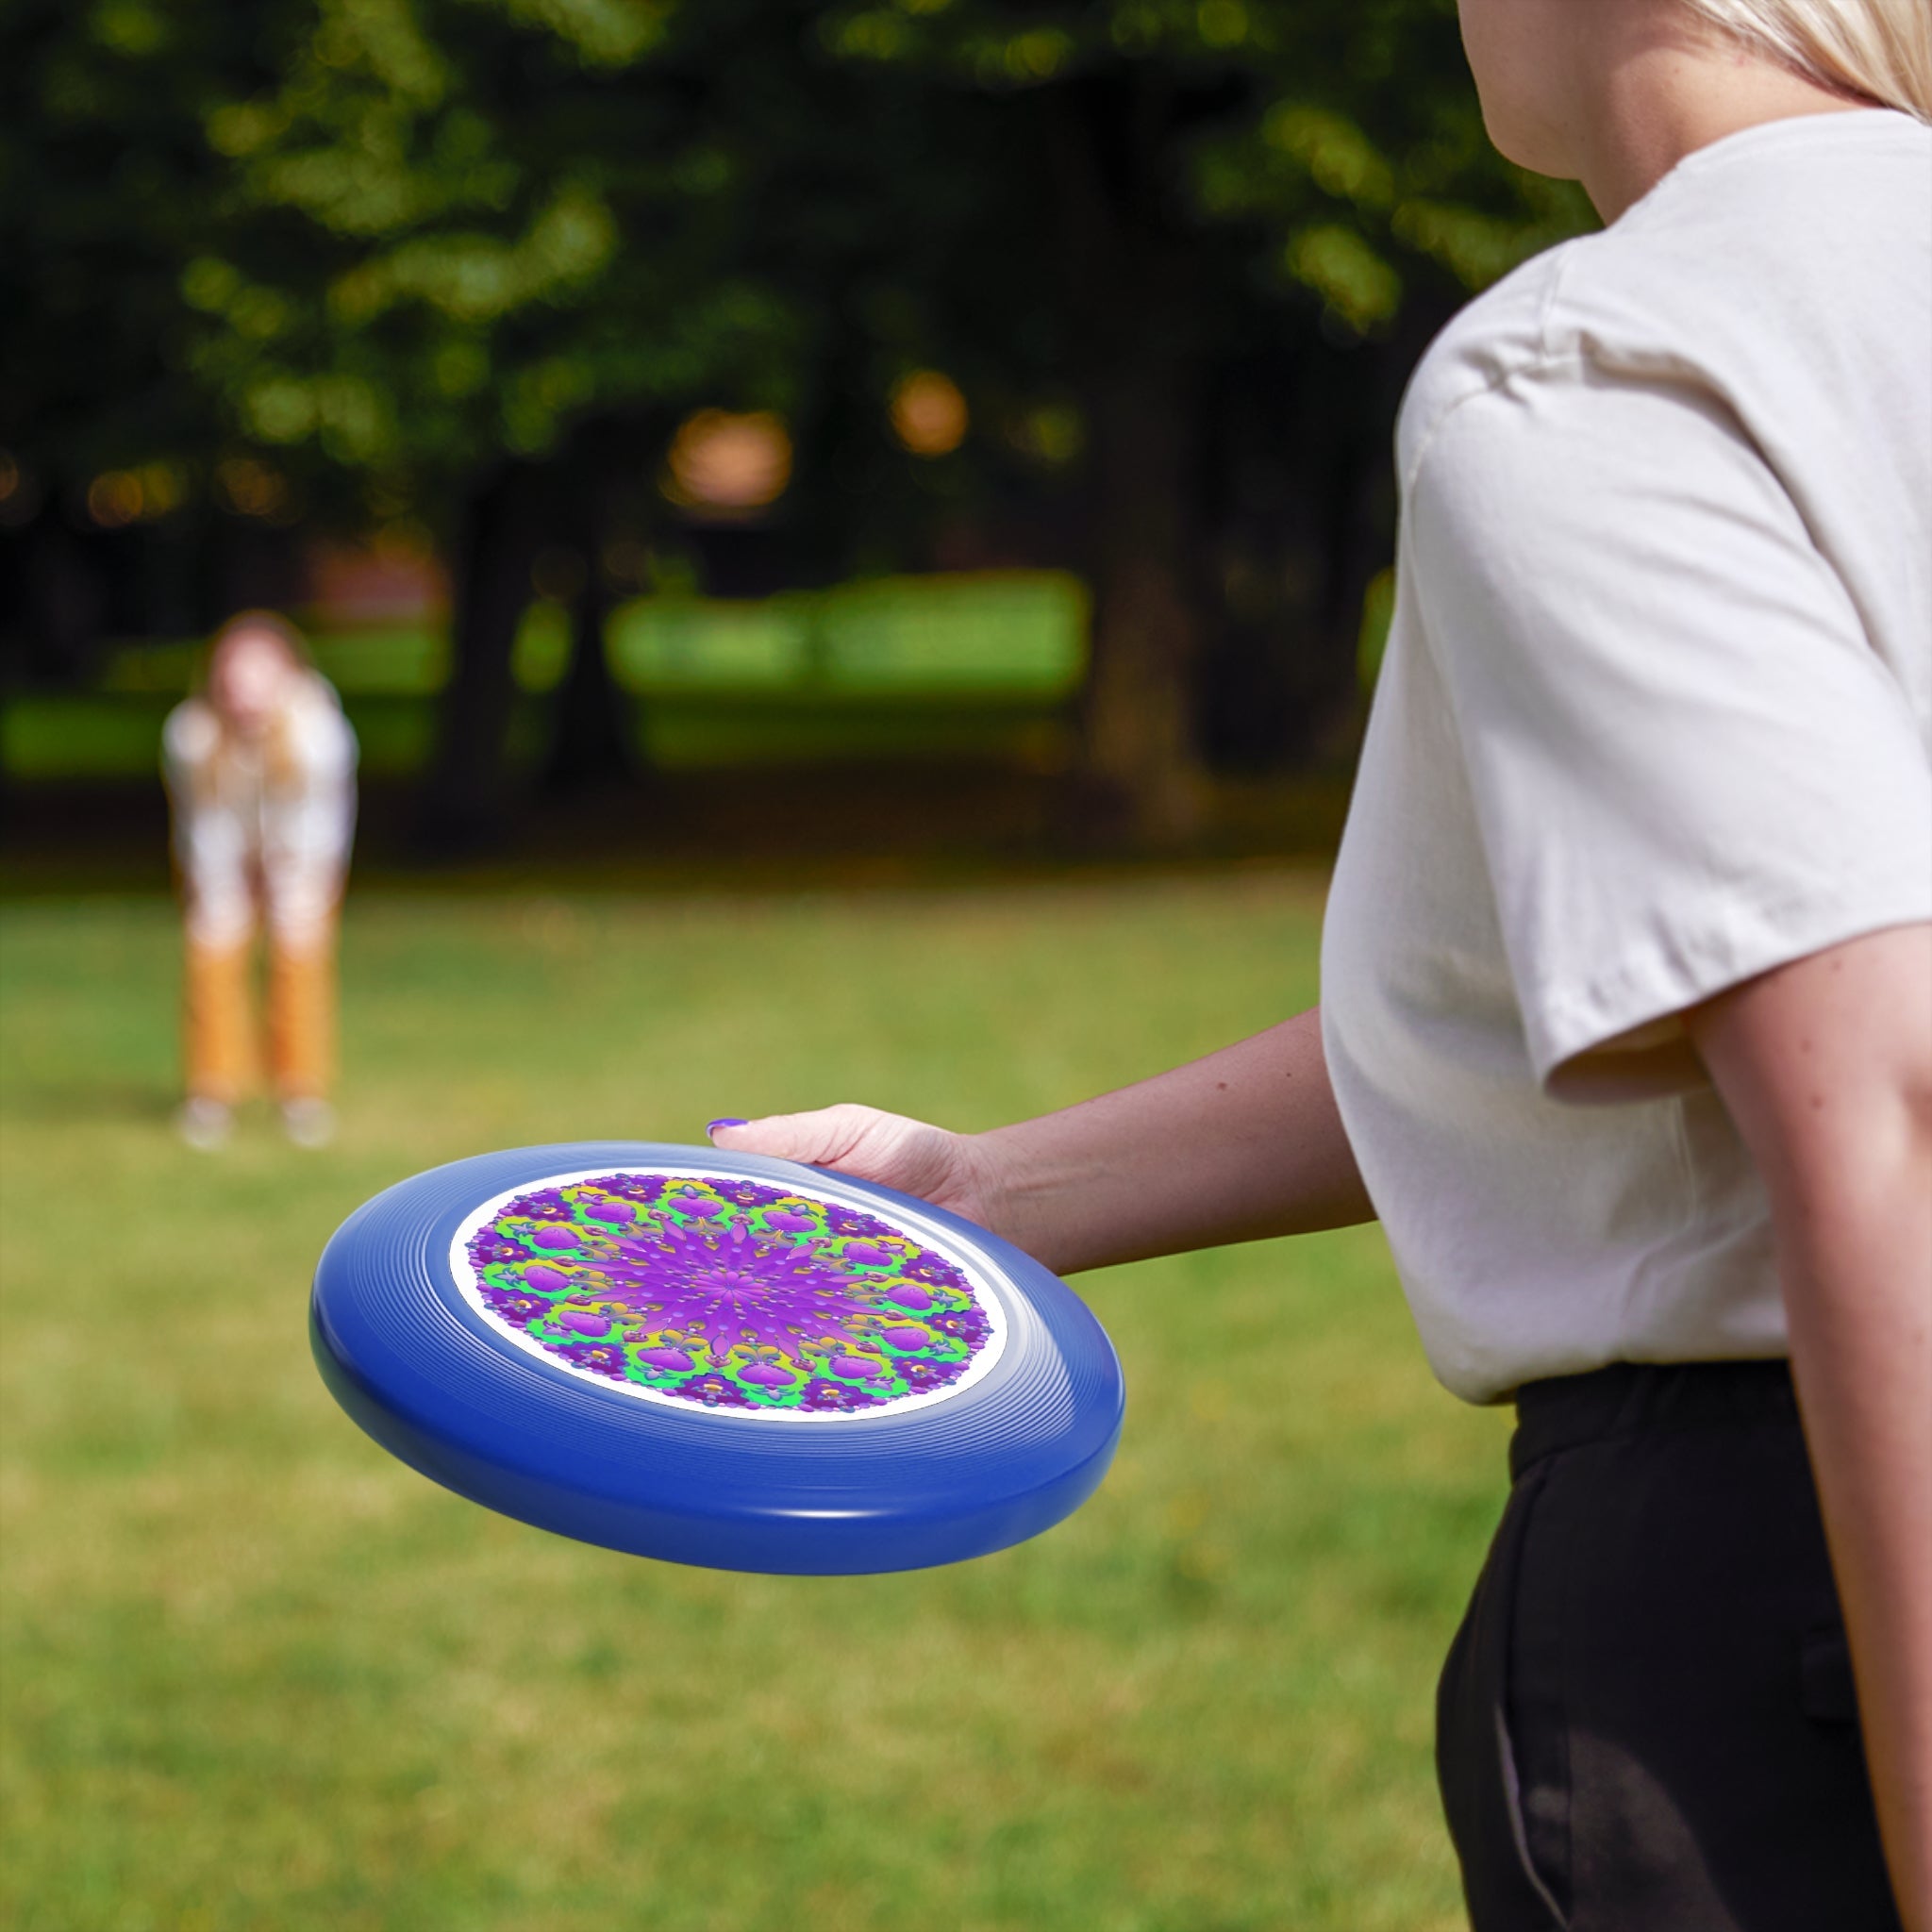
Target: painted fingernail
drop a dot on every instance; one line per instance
(712, 1126)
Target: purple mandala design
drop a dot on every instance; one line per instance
(729, 1294)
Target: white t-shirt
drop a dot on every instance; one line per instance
(1655, 716)
(255, 822)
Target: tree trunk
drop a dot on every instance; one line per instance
(466, 802)
(1140, 738)
(591, 743)
(63, 601)
(1134, 307)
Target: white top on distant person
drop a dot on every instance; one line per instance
(260, 768)
(1628, 971)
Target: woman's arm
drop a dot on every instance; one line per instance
(1243, 1145)
(1827, 1068)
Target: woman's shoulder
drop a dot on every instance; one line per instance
(319, 733)
(1501, 333)
(192, 733)
(1759, 261)
(315, 695)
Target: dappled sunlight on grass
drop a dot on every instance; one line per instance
(259, 1675)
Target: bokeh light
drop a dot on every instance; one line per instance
(1050, 433)
(250, 489)
(726, 464)
(114, 499)
(930, 415)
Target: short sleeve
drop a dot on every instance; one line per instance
(187, 740)
(323, 739)
(1688, 761)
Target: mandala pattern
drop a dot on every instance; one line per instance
(728, 1295)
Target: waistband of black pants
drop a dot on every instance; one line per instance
(1638, 1398)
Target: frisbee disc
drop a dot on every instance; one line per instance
(716, 1359)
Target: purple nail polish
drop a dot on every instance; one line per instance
(712, 1126)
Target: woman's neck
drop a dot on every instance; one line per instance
(1656, 96)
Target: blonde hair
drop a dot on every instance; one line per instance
(1879, 50)
(257, 623)
(280, 762)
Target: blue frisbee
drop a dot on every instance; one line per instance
(716, 1359)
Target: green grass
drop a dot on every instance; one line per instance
(57, 735)
(981, 665)
(259, 1675)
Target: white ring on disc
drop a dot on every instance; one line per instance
(929, 1234)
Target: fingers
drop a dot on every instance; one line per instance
(819, 1139)
(860, 1140)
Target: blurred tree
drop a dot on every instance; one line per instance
(510, 227)
(471, 261)
(107, 188)
(1236, 193)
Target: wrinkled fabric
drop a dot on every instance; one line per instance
(262, 830)
(1655, 717)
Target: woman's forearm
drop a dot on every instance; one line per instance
(1858, 1297)
(1243, 1145)
(1827, 1068)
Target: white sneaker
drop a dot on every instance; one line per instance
(203, 1124)
(309, 1122)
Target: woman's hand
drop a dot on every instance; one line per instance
(949, 1170)
(1237, 1147)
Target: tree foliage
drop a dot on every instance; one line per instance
(418, 254)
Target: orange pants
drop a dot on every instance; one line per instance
(222, 1048)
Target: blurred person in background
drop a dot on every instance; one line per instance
(260, 768)
(1626, 1021)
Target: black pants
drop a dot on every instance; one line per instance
(1646, 1722)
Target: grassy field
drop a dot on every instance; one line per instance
(259, 1675)
(897, 668)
